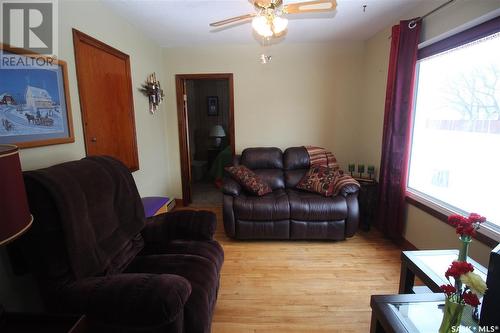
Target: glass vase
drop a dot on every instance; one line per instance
(464, 248)
(452, 316)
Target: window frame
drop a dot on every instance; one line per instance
(489, 233)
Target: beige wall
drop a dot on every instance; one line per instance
(422, 230)
(96, 20)
(91, 17)
(308, 94)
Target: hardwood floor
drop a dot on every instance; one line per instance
(302, 286)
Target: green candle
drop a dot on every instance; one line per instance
(352, 167)
(371, 171)
(361, 168)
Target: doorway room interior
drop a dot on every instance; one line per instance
(208, 134)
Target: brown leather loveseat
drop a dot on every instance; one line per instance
(286, 213)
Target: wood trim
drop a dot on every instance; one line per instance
(183, 141)
(64, 69)
(82, 38)
(182, 124)
(406, 245)
(178, 203)
(444, 218)
(479, 31)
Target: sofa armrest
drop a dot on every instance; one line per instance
(184, 224)
(352, 221)
(349, 189)
(128, 299)
(231, 187)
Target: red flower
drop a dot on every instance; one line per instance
(467, 229)
(456, 220)
(448, 289)
(458, 268)
(471, 299)
(476, 218)
(466, 226)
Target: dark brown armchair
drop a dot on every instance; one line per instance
(94, 252)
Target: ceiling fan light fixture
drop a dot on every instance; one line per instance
(261, 25)
(279, 24)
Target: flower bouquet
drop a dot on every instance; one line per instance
(466, 227)
(467, 286)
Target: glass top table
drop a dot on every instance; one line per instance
(430, 266)
(414, 313)
(427, 316)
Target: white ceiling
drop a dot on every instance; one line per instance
(173, 23)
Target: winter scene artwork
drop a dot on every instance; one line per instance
(33, 108)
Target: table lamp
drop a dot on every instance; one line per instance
(218, 133)
(15, 217)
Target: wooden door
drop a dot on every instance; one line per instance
(105, 89)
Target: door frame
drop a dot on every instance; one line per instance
(182, 121)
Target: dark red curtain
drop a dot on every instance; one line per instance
(397, 128)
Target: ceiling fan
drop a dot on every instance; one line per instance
(268, 22)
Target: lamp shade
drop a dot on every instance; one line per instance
(15, 217)
(217, 132)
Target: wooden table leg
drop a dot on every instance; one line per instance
(406, 279)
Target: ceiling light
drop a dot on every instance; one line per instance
(279, 24)
(261, 25)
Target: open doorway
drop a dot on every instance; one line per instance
(205, 108)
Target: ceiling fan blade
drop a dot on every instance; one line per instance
(232, 20)
(310, 7)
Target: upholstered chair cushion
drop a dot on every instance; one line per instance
(249, 180)
(319, 180)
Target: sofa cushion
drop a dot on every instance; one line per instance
(270, 207)
(308, 206)
(319, 179)
(249, 180)
(296, 158)
(262, 158)
(273, 177)
(296, 164)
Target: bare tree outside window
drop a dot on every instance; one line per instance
(475, 94)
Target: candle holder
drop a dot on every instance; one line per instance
(361, 170)
(351, 167)
(371, 171)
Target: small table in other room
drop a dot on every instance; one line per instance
(416, 313)
(430, 266)
(367, 199)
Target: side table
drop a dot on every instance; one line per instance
(416, 313)
(429, 266)
(367, 198)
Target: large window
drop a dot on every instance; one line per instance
(455, 152)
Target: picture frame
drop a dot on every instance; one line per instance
(213, 105)
(35, 105)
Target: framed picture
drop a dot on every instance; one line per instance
(35, 107)
(213, 105)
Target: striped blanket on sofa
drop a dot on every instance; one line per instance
(323, 158)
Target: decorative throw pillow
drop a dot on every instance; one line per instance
(319, 179)
(249, 180)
